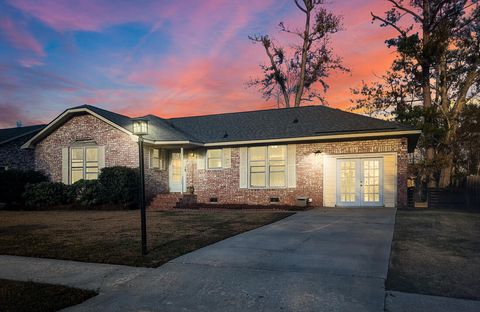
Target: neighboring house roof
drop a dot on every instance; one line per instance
(305, 123)
(10, 134)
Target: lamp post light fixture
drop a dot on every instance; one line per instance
(140, 128)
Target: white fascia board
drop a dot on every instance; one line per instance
(320, 137)
(28, 144)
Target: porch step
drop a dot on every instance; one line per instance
(166, 201)
(169, 201)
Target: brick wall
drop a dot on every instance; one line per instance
(120, 150)
(224, 184)
(13, 157)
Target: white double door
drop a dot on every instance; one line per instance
(360, 182)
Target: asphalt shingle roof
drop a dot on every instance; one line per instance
(12, 133)
(306, 121)
(280, 123)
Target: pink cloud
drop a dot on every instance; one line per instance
(19, 37)
(90, 15)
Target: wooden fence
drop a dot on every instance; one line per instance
(473, 192)
(465, 195)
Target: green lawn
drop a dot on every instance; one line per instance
(35, 297)
(436, 252)
(114, 236)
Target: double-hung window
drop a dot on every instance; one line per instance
(83, 163)
(214, 158)
(158, 159)
(267, 166)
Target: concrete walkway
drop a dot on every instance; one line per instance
(320, 260)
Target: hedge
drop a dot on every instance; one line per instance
(46, 194)
(13, 183)
(116, 186)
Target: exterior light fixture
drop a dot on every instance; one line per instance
(140, 128)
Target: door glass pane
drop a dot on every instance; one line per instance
(176, 168)
(371, 181)
(347, 181)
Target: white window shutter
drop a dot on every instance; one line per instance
(65, 179)
(201, 159)
(291, 167)
(227, 158)
(243, 167)
(101, 157)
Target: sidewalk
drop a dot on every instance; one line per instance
(93, 276)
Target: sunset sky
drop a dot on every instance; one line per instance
(170, 58)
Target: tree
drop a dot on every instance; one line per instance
(438, 67)
(310, 63)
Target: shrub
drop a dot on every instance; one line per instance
(86, 193)
(46, 195)
(120, 186)
(13, 182)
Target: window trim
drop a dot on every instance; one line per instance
(267, 169)
(220, 158)
(162, 159)
(84, 162)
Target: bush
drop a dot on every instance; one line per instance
(13, 182)
(46, 195)
(120, 186)
(87, 193)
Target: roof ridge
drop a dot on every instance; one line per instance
(250, 111)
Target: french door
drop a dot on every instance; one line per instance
(360, 182)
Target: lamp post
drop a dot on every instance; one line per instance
(140, 128)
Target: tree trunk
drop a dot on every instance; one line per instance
(446, 172)
(306, 43)
(427, 95)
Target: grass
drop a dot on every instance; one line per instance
(436, 252)
(114, 236)
(32, 297)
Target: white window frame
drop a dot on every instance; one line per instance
(267, 169)
(162, 159)
(84, 162)
(207, 157)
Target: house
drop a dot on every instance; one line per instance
(11, 154)
(332, 157)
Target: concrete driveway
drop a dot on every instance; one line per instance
(320, 260)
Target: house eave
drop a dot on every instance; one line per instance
(62, 117)
(399, 133)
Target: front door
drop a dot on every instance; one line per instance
(359, 182)
(175, 172)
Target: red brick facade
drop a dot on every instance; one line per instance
(121, 150)
(13, 157)
(225, 186)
